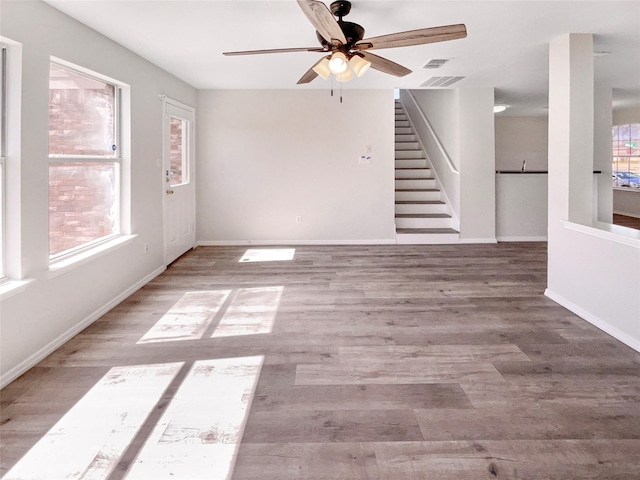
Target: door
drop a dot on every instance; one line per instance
(178, 179)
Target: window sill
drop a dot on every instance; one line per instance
(59, 267)
(627, 189)
(13, 287)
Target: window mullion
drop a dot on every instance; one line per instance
(82, 159)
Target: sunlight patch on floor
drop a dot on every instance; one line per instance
(252, 312)
(189, 318)
(268, 254)
(88, 441)
(199, 434)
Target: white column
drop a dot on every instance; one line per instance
(603, 208)
(571, 114)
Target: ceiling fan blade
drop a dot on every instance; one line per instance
(414, 37)
(309, 76)
(323, 21)
(386, 66)
(276, 50)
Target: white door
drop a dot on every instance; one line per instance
(178, 179)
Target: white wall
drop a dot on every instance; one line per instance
(441, 107)
(477, 165)
(266, 157)
(37, 319)
(521, 139)
(521, 207)
(626, 202)
(623, 116)
(593, 269)
(521, 200)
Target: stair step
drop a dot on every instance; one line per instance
(407, 146)
(414, 231)
(416, 154)
(405, 137)
(408, 173)
(422, 215)
(411, 162)
(420, 195)
(420, 207)
(415, 183)
(437, 220)
(403, 130)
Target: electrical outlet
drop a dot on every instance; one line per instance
(298, 219)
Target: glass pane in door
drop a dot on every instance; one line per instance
(178, 152)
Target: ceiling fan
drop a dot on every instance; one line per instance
(347, 49)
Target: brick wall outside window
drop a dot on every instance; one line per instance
(176, 142)
(82, 195)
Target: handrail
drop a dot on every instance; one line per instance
(444, 153)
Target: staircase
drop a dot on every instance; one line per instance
(421, 214)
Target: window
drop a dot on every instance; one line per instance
(3, 154)
(178, 152)
(84, 159)
(626, 156)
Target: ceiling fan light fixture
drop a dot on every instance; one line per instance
(322, 68)
(344, 76)
(359, 65)
(338, 63)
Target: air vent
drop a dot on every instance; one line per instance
(436, 63)
(441, 81)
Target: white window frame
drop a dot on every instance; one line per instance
(116, 158)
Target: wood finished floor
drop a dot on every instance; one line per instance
(384, 362)
(626, 221)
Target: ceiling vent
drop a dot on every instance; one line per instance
(436, 63)
(441, 81)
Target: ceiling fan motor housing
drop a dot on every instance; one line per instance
(352, 32)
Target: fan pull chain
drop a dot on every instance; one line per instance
(331, 85)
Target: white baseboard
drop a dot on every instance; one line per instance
(522, 239)
(41, 354)
(246, 243)
(595, 321)
(262, 243)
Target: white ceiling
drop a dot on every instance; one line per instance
(506, 46)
